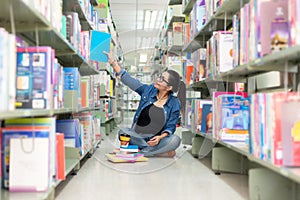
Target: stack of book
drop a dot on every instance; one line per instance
(131, 153)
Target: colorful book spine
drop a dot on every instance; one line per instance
(60, 157)
(71, 87)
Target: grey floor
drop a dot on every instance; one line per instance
(181, 177)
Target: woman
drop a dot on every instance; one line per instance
(155, 120)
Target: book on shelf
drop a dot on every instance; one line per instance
(273, 27)
(230, 113)
(30, 146)
(290, 127)
(294, 19)
(8, 70)
(29, 164)
(71, 130)
(60, 157)
(32, 123)
(73, 28)
(86, 120)
(71, 87)
(34, 78)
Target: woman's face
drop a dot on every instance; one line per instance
(162, 81)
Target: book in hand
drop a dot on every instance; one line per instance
(100, 42)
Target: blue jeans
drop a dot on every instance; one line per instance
(167, 144)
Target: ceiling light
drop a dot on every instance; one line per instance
(143, 58)
(150, 19)
(153, 18)
(147, 19)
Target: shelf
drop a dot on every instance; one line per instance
(189, 7)
(94, 2)
(200, 38)
(70, 164)
(273, 62)
(74, 6)
(240, 147)
(51, 38)
(175, 2)
(20, 113)
(175, 19)
(290, 173)
(216, 22)
(64, 51)
(86, 70)
(207, 83)
(6, 195)
(230, 8)
(26, 18)
(175, 49)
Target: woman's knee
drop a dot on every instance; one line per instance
(176, 140)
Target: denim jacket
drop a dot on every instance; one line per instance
(148, 96)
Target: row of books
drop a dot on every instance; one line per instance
(51, 11)
(231, 116)
(275, 128)
(32, 78)
(249, 39)
(226, 117)
(198, 115)
(264, 27)
(257, 120)
(260, 28)
(33, 150)
(68, 23)
(210, 61)
(108, 109)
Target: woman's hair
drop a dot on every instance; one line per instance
(178, 86)
(174, 80)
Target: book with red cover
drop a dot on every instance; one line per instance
(60, 157)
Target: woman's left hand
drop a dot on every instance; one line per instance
(154, 141)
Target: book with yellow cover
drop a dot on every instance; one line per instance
(114, 159)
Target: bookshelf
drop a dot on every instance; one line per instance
(235, 156)
(74, 6)
(243, 149)
(175, 2)
(27, 18)
(219, 21)
(37, 30)
(188, 7)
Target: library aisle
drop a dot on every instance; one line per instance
(181, 177)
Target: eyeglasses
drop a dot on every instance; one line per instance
(161, 78)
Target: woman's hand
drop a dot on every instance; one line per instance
(110, 57)
(154, 141)
(112, 62)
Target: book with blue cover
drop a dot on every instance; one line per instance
(70, 129)
(100, 42)
(34, 78)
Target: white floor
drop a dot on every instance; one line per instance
(181, 177)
